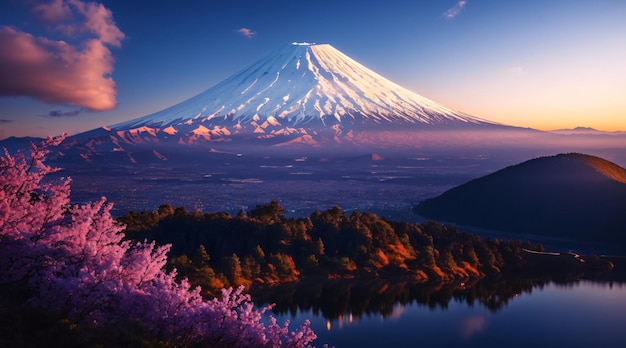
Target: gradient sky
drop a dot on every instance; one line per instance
(72, 65)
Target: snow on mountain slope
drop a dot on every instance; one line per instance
(301, 85)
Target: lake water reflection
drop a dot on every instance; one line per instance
(518, 314)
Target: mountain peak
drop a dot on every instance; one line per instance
(295, 43)
(305, 85)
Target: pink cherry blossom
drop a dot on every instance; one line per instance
(75, 261)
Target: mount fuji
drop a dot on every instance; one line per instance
(303, 85)
(300, 95)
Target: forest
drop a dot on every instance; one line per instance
(262, 246)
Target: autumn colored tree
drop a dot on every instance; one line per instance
(72, 260)
(269, 213)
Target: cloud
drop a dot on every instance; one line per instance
(5, 121)
(61, 113)
(454, 11)
(246, 32)
(54, 12)
(516, 69)
(57, 71)
(75, 17)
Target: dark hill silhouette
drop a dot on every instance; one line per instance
(570, 196)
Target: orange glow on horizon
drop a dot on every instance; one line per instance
(551, 118)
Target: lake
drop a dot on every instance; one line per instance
(519, 314)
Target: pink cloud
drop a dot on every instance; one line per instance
(56, 71)
(99, 21)
(53, 12)
(246, 32)
(74, 17)
(454, 11)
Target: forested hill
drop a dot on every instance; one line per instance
(568, 196)
(263, 246)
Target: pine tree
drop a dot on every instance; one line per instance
(201, 257)
(318, 247)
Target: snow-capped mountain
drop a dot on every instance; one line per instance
(304, 95)
(300, 86)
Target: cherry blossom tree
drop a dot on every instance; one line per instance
(74, 261)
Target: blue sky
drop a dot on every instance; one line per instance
(542, 64)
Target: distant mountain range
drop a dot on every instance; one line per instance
(13, 144)
(587, 131)
(568, 196)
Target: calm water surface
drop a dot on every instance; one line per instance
(579, 314)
